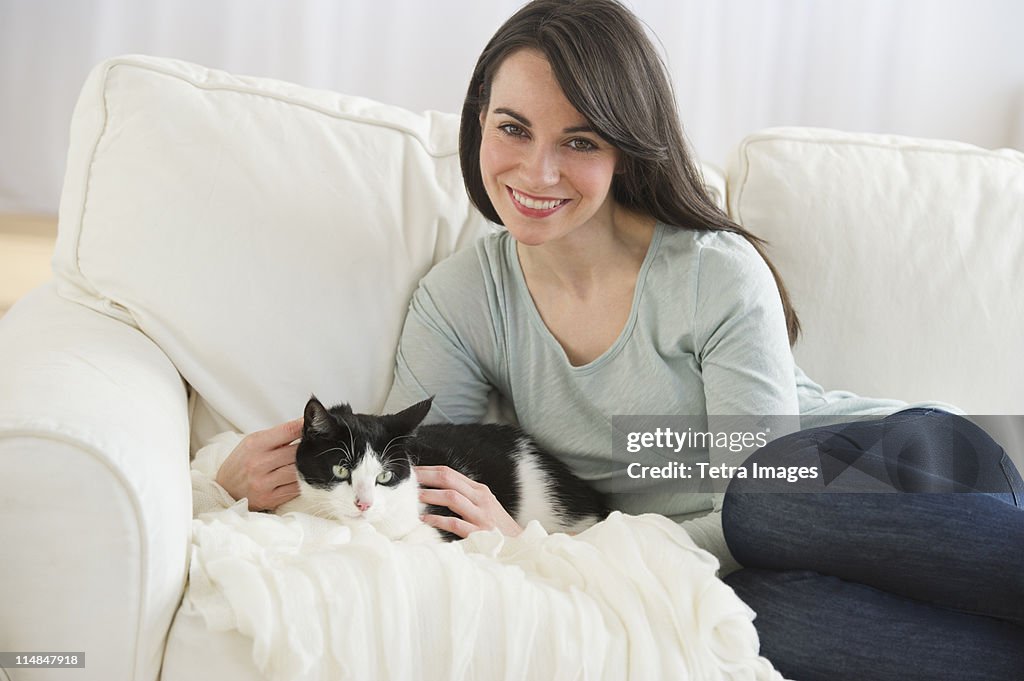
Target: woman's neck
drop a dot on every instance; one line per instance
(582, 261)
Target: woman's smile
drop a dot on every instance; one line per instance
(533, 206)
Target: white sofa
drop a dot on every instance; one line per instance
(228, 245)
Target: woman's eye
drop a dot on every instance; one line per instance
(341, 472)
(385, 477)
(580, 144)
(512, 130)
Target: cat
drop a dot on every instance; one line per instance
(358, 468)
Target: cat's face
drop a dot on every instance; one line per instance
(355, 465)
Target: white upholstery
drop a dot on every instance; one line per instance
(253, 241)
(94, 488)
(257, 239)
(903, 258)
(266, 236)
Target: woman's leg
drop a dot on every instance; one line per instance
(959, 550)
(817, 628)
(896, 585)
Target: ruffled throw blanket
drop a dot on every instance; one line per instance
(631, 598)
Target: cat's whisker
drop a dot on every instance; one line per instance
(392, 442)
(343, 450)
(351, 440)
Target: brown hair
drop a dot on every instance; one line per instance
(610, 73)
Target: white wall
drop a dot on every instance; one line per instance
(934, 68)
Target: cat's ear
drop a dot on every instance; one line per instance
(408, 419)
(316, 420)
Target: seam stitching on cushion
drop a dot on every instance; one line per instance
(993, 154)
(901, 148)
(305, 105)
(743, 182)
(88, 184)
(107, 300)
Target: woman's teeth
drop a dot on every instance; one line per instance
(534, 204)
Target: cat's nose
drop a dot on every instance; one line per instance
(363, 505)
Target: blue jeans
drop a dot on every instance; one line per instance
(921, 582)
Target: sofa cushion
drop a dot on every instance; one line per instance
(266, 236)
(903, 257)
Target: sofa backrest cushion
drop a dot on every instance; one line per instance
(266, 236)
(903, 257)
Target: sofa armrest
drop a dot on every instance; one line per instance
(95, 507)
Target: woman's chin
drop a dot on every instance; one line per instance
(536, 234)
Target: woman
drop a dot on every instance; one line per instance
(619, 288)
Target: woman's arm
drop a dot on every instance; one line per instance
(436, 359)
(448, 350)
(740, 333)
(746, 363)
(448, 345)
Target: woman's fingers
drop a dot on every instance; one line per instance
(454, 501)
(282, 457)
(278, 436)
(282, 494)
(474, 502)
(456, 526)
(261, 463)
(443, 477)
(281, 483)
(284, 475)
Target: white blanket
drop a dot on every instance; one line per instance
(631, 598)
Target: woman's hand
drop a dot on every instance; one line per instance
(474, 502)
(262, 467)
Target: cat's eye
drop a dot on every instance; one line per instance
(385, 477)
(341, 472)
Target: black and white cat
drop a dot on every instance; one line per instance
(358, 468)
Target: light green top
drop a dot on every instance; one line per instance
(706, 335)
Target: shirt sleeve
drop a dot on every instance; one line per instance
(746, 363)
(740, 328)
(438, 352)
(207, 495)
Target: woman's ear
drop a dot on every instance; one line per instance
(483, 105)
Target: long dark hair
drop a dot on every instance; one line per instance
(610, 73)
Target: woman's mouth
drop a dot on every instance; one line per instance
(534, 207)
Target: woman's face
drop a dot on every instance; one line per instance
(545, 170)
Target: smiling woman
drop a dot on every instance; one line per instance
(548, 175)
(548, 179)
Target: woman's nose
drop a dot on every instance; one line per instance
(539, 169)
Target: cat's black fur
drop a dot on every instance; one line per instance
(491, 454)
